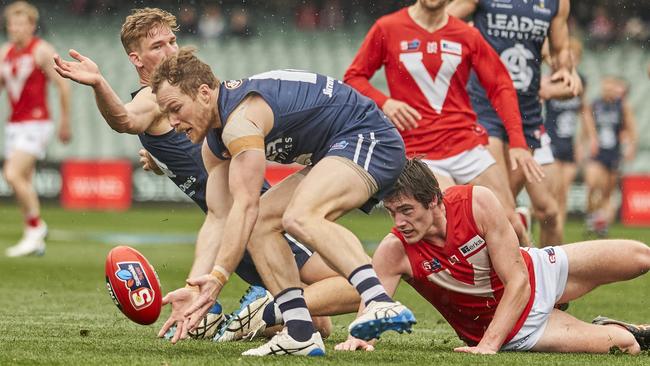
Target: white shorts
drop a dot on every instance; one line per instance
(463, 167)
(544, 155)
(30, 137)
(551, 267)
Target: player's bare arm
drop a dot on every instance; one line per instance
(506, 259)
(560, 51)
(134, 117)
(219, 202)
(588, 130)
(43, 57)
(629, 133)
(391, 264)
(462, 8)
(243, 136)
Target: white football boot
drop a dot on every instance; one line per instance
(283, 344)
(32, 242)
(379, 317)
(247, 322)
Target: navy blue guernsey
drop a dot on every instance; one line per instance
(516, 29)
(310, 112)
(609, 122)
(563, 117)
(181, 161)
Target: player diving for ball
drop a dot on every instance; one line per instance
(352, 153)
(148, 36)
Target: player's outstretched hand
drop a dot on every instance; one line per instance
(180, 300)
(210, 288)
(522, 158)
(403, 116)
(353, 344)
(83, 71)
(475, 350)
(148, 164)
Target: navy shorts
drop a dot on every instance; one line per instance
(610, 159)
(489, 119)
(563, 150)
(247, 271)
(381, 153)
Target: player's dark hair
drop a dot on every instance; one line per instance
(417, 181)
(185, 71)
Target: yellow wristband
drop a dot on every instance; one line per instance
(220, 274)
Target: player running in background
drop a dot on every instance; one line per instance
(517, 30)
(564, 119)
(427, 56)
(148, 36)
(25, 69)
(352, 153)
(617, 137)
(497, 296)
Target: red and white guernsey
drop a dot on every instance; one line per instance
(429, 71)
(26, 84)
(458, 279)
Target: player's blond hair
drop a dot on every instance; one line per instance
(185, 71)
(22, 8)
(416, 180)
(142, 23)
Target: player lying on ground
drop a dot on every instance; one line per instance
(459, 252)
(353, 156)
(148, 36)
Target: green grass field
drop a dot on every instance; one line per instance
(55, 309)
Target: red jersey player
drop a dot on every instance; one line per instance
(459, 253)
(428, 56)
(25, 67)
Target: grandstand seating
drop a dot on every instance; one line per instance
(325, 52)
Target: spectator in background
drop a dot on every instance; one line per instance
(332, 16)
(188, 21)
(211, 24)
(601, 28)
(240, 25)
(307, 17)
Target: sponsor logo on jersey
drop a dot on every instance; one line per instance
(551, 254)
(339, 145)
(471, 246)
(433, 265)
(453, 259)
(432, 47)
(329, 87)
(279, 149)
(233, 84)
(512, 26)
(409, 45)
(451, 47)
(140, 292)
(501, 4)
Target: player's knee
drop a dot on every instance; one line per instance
(641, 255)
(626, 343)
(548, 214)
(294, 223)
(12, 176)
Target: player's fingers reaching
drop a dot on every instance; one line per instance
(353, 344)
(179, 330)
(167, 299)
(475, 350)
(77, 56)
(413, 116)
(197, 316)
(168, 324)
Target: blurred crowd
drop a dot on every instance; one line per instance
(599, 22)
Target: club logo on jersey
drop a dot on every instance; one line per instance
(471, 246)
(233, 84)
(541, 8)
(451, 47)
(341, 145)
(433, 265)
(409, 45)
(432, 47)
(551, 254)
(140, 292)
(279, 149)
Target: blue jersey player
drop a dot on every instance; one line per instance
(148, 36)
(353, 156)
(516, 30)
